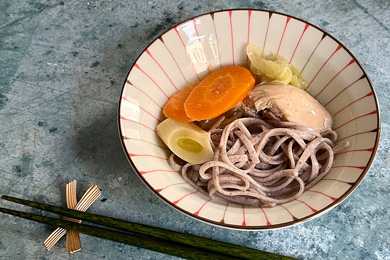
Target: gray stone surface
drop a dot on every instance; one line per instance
(62, 65)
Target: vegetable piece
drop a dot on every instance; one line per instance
(220, 91)
(220, 121)
(174, 107)
(273, 68)
(186, 140)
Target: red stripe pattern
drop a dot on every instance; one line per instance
(350, 166)
(352, 61)
(133, 121)
(341, 91)
(231, 34)
(299, 41)
(138, 67)
(284, 31)
(266, 218)
(323, 65)
(198, 211)
(146, 155)
(368, 95)
(332, 198)
(177, 201)
(143, 109)
(196, 30)
(357, 150)
(142, 140)
(173, 84)
(243, 216)
(371, 113)
(312, 209)
(249, 32)
(154, 101)
(355, 134)
(249, 25)
(181, 39)
(145, 172)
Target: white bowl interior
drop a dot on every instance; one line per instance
(189, 51)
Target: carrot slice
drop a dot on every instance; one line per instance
(174, 107)
(220, 91)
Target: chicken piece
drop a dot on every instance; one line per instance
(289, 103)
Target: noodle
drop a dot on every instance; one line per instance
(259, 162)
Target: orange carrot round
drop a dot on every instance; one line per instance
(174, 107)
(220, 91)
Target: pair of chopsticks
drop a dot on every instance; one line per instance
(148, 237)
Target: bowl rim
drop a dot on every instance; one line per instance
(264, 227)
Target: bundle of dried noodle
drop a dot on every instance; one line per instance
(72, 237)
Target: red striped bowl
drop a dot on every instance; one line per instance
(187, 52)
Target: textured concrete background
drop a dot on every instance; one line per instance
(62, 64)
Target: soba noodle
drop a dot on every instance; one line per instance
(261, 162)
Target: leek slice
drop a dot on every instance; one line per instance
(188, 141)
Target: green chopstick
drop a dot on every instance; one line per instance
(150, 233)
(161, 246)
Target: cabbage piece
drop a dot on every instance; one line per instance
(273, 68)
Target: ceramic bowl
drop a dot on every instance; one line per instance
(189, 51)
